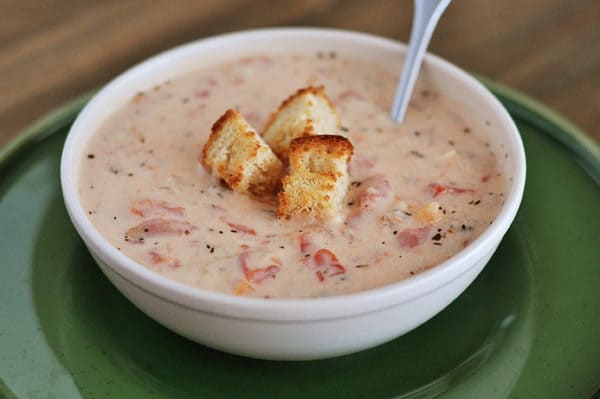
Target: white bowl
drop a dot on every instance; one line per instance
(304, 328)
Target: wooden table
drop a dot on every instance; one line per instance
(52, 51)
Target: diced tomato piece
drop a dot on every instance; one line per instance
(156, 226)
(410, 238)
(255, 275)
(324, 257)
(148, 207)
(320, 275)
(375, 188)
(261, 273)
(239, 227)
(436, 189)
(327, 264)
(305, 242)
(156, 257)
(458, 190)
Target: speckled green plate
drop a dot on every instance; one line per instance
(528, 327)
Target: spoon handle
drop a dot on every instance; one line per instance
(427, 15)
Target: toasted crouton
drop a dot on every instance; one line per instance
(318, 179)
(240, 157)
(307, 112)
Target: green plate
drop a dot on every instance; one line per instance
(528, 327)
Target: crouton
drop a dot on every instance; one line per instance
(307, 112)
(318, 178)
(237, 154)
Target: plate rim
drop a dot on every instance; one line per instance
(518, 104)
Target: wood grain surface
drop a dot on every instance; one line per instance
(52, 51)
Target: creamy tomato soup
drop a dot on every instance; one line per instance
(419, 191)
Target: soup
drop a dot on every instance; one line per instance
(419, 191)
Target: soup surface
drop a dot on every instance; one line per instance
(419, 193)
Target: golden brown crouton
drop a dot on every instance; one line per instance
(307, 112)
(318, 179)
(238, 155)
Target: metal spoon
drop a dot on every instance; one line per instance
(426, 16)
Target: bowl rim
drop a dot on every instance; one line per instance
(301, 309)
